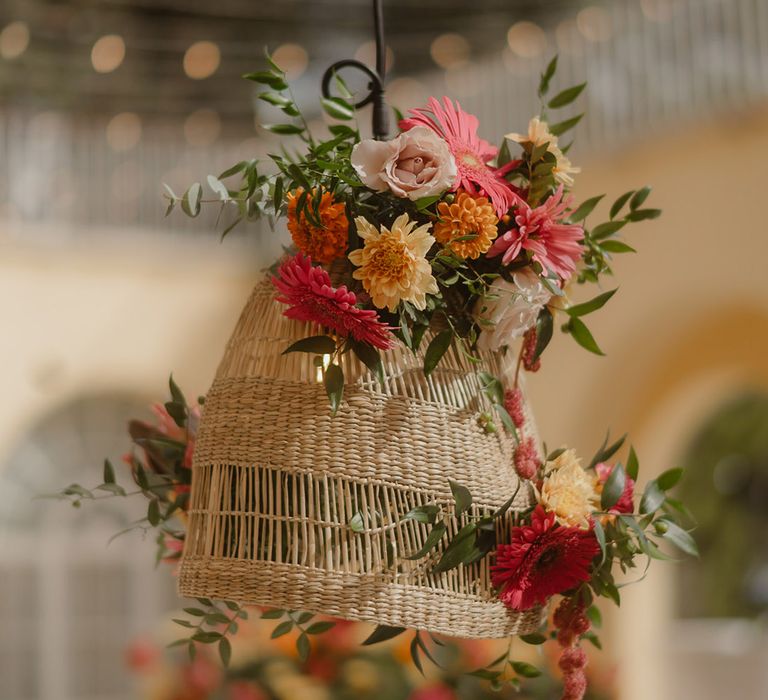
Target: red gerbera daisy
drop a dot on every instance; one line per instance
(553, 244)
(308, 292)
(543, 559)
(459, 129)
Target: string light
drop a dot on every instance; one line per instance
(366, 53)
(450, 50)
(202, 127)
(108, 53)
(14, 40)
(292, 58)
(201, 60)
(527, 39)
(594, 24)
(124, 131)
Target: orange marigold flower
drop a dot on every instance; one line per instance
(466, 216)
(322, 243)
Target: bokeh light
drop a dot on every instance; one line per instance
(108, 53)
(292, 58)
(450, 50)
(202, 127)
(124, 131)
(14, 40)
(201, 60)
(527, 39)
(594, 24)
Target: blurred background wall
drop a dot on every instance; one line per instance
(101, 297)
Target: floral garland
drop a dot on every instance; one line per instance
(437, 226)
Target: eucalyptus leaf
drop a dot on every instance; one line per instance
(218, 187)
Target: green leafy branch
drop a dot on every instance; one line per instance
(215, 625)
(293, 620)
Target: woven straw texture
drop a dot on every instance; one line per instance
(276, 481)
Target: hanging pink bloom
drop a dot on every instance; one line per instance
(556, 246)
(308, 292)
(459, 129)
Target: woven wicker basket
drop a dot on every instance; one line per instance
(276, 481)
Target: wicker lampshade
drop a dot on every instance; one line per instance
(277, 479)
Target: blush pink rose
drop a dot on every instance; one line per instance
(415, 164)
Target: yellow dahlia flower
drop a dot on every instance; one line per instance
(569, 491)
(392, 264)
(466, 216)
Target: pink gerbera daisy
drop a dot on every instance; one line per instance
(459, 129)
(308, 292)
(553, 244)
(542, 560)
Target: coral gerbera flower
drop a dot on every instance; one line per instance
(556, 246)
(392, 264)
(308, 292)
(322, 243)
(468, 215)
(542, 560)
(459, 129)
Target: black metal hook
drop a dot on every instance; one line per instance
(379, 118)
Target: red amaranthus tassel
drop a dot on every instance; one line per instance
(529, 351)
(572, 622)
(513, 402)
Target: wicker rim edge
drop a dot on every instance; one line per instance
(351, 596)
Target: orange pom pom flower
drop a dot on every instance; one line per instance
(323, 243)
(467, 215)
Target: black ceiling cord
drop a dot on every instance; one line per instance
(379, 120)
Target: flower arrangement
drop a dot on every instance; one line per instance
(438, 229)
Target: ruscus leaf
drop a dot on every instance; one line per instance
(566, 96)
(437, 347)
(317, 344)
(382, 633)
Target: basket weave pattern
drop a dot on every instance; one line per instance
(276, 481)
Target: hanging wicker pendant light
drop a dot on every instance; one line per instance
(278, 483)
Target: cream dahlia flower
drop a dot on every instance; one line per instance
(538, 134)
(569, 491)
(392, 264)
